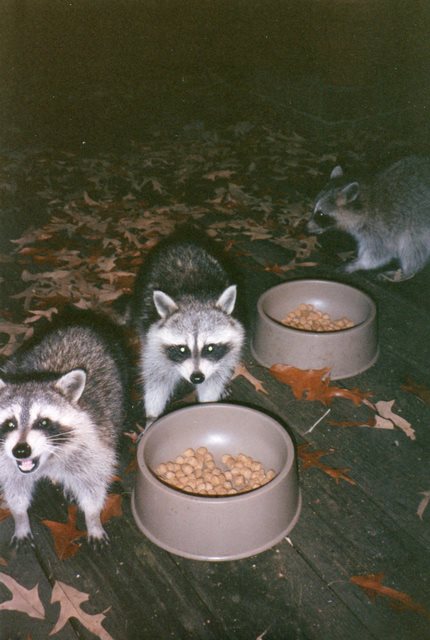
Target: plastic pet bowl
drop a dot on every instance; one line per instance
(216, 527)
(346, 352)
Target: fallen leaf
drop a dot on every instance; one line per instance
(241, 370)
(23, 599)
(65, 534)
(314, 384)
(4, 513)
(112, 507)
(423, 503)
(384, 408)
(419, 390)
(372, 585)
(312, 459)
(70, 600)
(213, 175)
(375, 422)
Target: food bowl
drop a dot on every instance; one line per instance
(345, 352)
(216, 528)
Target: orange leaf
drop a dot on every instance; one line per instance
(312, 459)
(372, 585)
(65, 534)
(419, 390)
(241, 370)
(4, 513)
(112, 507)
(370, 422)
(314, 384)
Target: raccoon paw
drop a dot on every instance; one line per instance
(98, 543)
(395, 276)
(23, 542)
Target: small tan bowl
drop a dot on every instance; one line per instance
(216, 528)
(346, 352)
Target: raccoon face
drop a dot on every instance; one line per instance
(196, 338)
(33, 418)
(198, 360)
(336, 197)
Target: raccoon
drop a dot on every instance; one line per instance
(183, 303)
(62, 404)
(389, 216)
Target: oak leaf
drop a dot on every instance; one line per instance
(424, 502)
(112, 507)
(23, 600)
(384, 409)
(419, 390)
(241, 370)
(314, 384)
(66, 534)
(372, 585)
(312, 459)
(70, 600)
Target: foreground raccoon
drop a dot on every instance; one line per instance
(62, 403)
(183, 304)
(389, 216)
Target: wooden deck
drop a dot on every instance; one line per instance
(303, 588)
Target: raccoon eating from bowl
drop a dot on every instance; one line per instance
(184, 300)
(62, 405)
(388, 216)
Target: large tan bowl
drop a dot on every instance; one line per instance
(219, 527)
(347, 352)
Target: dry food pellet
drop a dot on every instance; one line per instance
(195, 471)
(307, 318)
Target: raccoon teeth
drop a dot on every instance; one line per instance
(28, 465)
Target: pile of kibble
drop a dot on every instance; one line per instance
(195, 471)
(307, 318)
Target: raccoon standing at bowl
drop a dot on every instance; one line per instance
(217, 528)
(346, 353)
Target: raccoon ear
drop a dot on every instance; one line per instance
(72, 384)
(350, 192)
(227, 299)
(2, 384)
(164, 304)
(337, 172)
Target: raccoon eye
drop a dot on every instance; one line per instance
(43, 423)
(8, 425)
(178, 352)
(323, 219)
(214, 351)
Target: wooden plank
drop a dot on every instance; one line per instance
(134, 582)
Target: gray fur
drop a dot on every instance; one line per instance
(184, 299)
(389, 216)
(74, 378)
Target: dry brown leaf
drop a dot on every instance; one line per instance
(112, 507)
(384, 408)
(65, 534)
(314, 384)
(4, 513)
(424, 502)
(23, 599)
(312, 459)
(372, 585)
(375, 422)
(419, 390)
(70, 600)
(241, 370)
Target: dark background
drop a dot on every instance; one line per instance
(104, 69)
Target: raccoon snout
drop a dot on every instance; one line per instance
(22, 450)
(197, 377)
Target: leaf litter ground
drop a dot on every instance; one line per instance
(99, 216)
